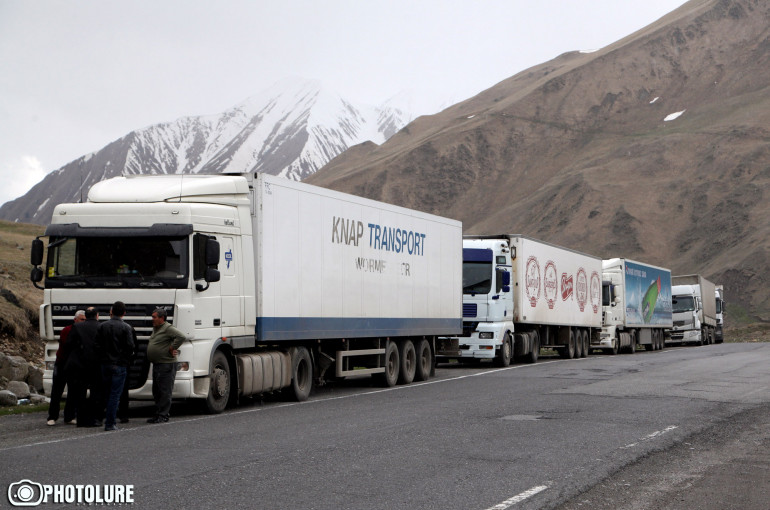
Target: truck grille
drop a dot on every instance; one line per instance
(470, 309)
(137, 315)
(468, 328)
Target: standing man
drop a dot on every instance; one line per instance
(60, 377)
(118, 343)
(162, 351)
(82, 370)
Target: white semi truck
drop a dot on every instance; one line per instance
(275, 283)
(720, 297)
(636, 306)
(521, 295)
(694, 307)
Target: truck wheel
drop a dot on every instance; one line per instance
(578, 344)
(701, 341)
(632, 344)
(408, 357)
(424, 361)
(301, 374)
(503, 358)
(535, 352)
(568, 352)
(614, 349)
(219, 387)
(392, 364)
(586, 344)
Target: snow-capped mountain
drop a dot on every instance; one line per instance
(291, 129)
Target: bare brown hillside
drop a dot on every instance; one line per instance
(576, 151)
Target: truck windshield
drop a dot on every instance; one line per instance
(130, 262)
(683, 304)
(719, 306)
(477, 277)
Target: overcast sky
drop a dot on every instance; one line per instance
(76, 75)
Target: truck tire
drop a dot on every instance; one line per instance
(578, 344)
(301, 374)
(586, 344)
(219, 387)
(702, 339)
(392, 364)
(568, 352)
(503, 358)
(408, 357)
(535, 352)
(424, 361)
(632, 343)
(615, 346)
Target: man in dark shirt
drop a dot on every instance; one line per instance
(82, 354)
(60, 377)
(118, 343)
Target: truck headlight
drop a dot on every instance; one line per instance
(182, 366)
(486, 335)
(49, 365)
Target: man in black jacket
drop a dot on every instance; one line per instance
(83, 371)
(117, 340)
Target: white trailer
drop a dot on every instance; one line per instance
(695, 311)
(521, 295)
(636, 306)
(275, 283)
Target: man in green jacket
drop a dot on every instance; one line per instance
(162, 351)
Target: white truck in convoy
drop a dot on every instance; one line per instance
(521, 295)
(636, 306)
(695, 312)
(275, 283)
(720, 296)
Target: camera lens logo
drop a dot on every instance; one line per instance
(25, 493)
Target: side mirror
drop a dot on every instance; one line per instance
(506, 281)
(36, 275)
(36, 254)
(212, 275)
(212, 259)
(212, 252)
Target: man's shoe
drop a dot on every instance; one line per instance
(51, 423)
(73, 421)
(158, 419)
(110, 428)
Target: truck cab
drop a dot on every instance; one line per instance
(487, 304)
(686, 306)
(612, 312)
(720, 303)
(153, 242)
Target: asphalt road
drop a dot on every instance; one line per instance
(621, 431)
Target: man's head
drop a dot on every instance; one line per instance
(90, 313)
(80, 316)
(158, 316)
(118, 309)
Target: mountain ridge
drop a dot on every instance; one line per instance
(577, 151)
(290, 129)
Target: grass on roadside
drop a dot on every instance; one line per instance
(23, 409)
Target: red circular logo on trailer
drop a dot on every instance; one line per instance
(596, 291)
(550, 284)
(532, 281)
(581, 289)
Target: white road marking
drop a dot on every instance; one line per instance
(648, 437)
(518, 498)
